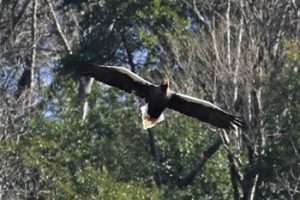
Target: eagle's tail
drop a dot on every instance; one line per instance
(148, 121)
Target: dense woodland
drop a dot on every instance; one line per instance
(68, 137)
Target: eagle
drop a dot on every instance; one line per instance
(160, 97)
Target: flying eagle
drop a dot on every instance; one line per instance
(159, 97)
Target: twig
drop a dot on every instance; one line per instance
(58, 27)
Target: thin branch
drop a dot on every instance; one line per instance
(212, 32)
(128, 52)
(85, 86)
(235, 177)
(155, 156)
(199, 15)
(228, 23)
(87, 89)
(17, 19)
(58, 27)
(34, 42)
(238, 59)
(253, 188)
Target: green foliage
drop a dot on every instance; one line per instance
(287, 83)
(282, 121)
(93, 160)
(118, 25)
(109, 155)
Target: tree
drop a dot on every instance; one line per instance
(256, 34)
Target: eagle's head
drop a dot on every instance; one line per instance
(165, 84)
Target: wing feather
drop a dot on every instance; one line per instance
(119, 77)
(204, 111)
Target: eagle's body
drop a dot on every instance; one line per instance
(158, 100)
(159, 97)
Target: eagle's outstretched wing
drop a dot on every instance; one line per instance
(119, 77)
(204, 111)
(128, 81)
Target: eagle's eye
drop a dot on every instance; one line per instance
(164, 85)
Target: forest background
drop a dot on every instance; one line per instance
(64, 137)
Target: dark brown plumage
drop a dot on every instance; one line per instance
(160, 97)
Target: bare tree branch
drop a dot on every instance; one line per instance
(228, 27)
(156, 157)
(235, 178)
(58, 27)
(20, 14)
(34, 43)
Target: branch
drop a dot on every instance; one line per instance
(155, 156)
(235, 177)
(33, 40)
(85, 88)
(128, 52)
(199, 15)
(207, 154)
(20, 14)
(58, 27)
(238, 62)
(228, 24)
(24, 81)
(253, 188)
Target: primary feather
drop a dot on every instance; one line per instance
(119, 77)
(204, 111)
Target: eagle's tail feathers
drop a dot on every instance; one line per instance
(148, 121)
